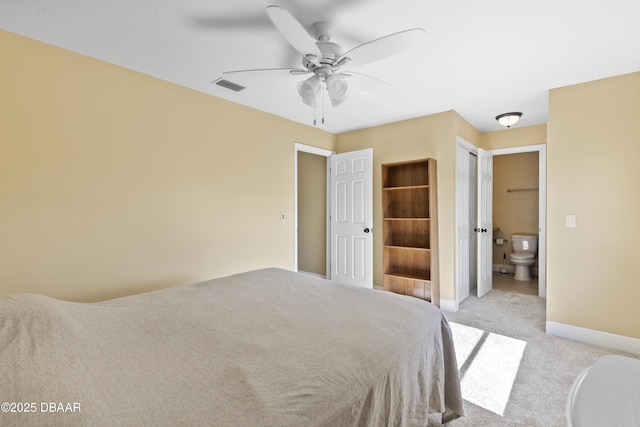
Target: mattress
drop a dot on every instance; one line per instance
(264, 348)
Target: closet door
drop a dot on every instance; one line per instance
(464, 223)
(484, 223)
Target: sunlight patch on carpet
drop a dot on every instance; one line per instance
(488, 366)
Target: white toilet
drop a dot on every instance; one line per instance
(523, 256)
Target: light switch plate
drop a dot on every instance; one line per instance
(570, 220)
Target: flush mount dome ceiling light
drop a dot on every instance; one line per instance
(508, 119)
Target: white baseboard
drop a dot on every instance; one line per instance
(448, 305)
(593, 337)
(322, 276)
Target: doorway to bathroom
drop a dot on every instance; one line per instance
(515, 213)
(469, 233)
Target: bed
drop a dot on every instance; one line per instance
(264, 348)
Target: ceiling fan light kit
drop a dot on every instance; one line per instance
(323, 58)
(307, 90)
(508, 119)
(337, 86)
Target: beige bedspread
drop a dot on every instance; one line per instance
(263, 348)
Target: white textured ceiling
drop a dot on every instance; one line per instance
(481, 58)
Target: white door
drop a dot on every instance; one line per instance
(473, 214)
(484, 224)
(463, 222)
(352, 218)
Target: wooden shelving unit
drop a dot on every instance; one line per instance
(410, 229)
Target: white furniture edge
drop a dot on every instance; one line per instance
(593, 337)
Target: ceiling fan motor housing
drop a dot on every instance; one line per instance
(330, 51)
(327, 63)
(323, 30)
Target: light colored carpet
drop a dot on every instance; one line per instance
(512, 372)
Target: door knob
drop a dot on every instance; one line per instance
(367, 230)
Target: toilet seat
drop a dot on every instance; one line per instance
(522, 257)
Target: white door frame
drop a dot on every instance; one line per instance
(319, 152)
(542, 207)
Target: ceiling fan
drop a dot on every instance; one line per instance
(323, 59)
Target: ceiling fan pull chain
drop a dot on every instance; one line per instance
(324, 89)
(315, 108)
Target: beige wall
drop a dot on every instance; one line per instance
(429, 136)
(113, 182)
(514, 137)
(463, 129)
(514, 212)
(312, 209)
(593, 153)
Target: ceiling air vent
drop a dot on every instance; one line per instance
(229, 85)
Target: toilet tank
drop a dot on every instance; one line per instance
(524, 243)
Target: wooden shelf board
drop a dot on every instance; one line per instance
(405, 187)
(406, 219)
(408, 248)
(408, 276)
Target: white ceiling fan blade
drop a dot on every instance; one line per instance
(294, 71)
(368, 96)
(293, 31)
(368, 76)
(299, 71)
(386, 46)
